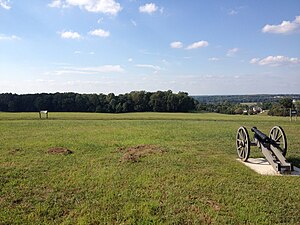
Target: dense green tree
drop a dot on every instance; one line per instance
(11, 106)
(286, 103)
(297, 105)
(81, 103)
(140, 101)
(277, 110)
(185, 103)
(158, 102)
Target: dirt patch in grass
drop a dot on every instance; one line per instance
(15, 151)
(134, 154)
(59, 150)
(214, 205)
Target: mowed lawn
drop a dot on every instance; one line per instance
(192, 178)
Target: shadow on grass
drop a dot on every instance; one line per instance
(295, 161)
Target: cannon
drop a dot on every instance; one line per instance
(273, 147)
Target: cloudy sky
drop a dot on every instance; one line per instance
(102, 46)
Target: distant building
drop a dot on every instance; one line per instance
(257, 109)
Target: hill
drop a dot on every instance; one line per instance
(245, 98)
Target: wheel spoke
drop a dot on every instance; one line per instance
(272, 135)
(243, 134)
(242, 153)
(276, 133)
(278, 138)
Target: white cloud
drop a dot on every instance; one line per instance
(77, 52)
(213, 59)
(134, 23)
(176, 44)
(99, 33)
(148, 66)
(130, 60)
(275, 61)
(148, 8)
(5, 4)
(286, 27)
(232, 12)
(231, 52)
(199, 44)
(70, 35)
(4, 37)
(235, 11)
(110, 7)
(100, 20)
(90, 70)
(164, 61)
(162, 9)
(254, 60)
(55, 4)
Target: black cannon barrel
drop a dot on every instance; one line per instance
(260, 135)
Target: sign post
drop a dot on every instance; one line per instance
(43, 112)
(293, 113)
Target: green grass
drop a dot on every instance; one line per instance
(197, 180)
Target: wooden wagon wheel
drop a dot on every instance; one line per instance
(243, 143)
(277, 135)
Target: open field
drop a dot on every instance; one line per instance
(189, 175)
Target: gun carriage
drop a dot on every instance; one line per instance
(273, 147)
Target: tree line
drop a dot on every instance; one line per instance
(140, 101)
(136, 101)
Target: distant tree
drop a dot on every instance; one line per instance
(286, 103)
(158, 102)
(140, 101)
(278, 110)
(11, 106)
(266, 105)
(185, 102)
(92, 102)
(68, 102)
(110, 97)
(297, 105)
(81, 103)
(112, 105)
(119, 108)
(172, 102)
(57, 102)
(239, 110)
(39, 103)
(202, 107)
(101, 104)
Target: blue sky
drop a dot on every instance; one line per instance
(103, 46)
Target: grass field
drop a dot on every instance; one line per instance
(192, 178)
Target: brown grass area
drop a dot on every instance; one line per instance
(134, 154)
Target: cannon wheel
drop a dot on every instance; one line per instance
(243, 143)
(277, 134)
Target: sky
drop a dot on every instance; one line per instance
(212, 47)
